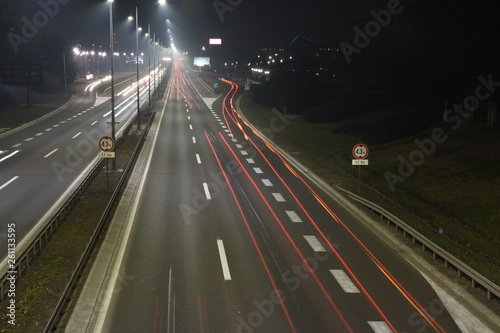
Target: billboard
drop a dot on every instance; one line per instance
(202, 61)
(215, 41)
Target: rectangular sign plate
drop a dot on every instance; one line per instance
(359, 162)
(107, 154)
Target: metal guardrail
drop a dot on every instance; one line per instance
(476, 279)
(77, 273)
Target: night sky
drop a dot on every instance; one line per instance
(252, 23)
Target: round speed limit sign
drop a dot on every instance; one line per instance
(360, 151)
(106, 143)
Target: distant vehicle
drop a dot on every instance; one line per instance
(89, 76)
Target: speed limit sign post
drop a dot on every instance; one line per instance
(107, 145)
(360, 153)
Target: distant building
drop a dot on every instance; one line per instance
(297, 54)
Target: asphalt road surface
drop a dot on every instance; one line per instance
(42, 163)
(229, 237)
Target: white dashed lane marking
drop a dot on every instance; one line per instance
(267, 182)
(314, 243)
(379, 327)
(207, 192)
(52, 152)
(8, 182)
(223, 260)
(9, 156)
(258, 170)
(278, 197)
(344, 281)
(293, 216)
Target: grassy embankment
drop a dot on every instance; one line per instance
(13, 116)
(456, 188)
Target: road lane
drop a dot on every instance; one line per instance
(38, 163)
(228, 237)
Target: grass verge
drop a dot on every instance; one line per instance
(13, 116)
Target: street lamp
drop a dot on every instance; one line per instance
(149, 66)
(137, 63)
(111, 40)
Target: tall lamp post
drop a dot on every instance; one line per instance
(149, 65)
(111, 41)
(137, 64)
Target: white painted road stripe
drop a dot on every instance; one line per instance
(293, 216)
(93, 123)
(7, 183)
(344, 281)
(194, 139)
(52, 152)
(10, 155)
(258, 170)
(239, 146)
(278, 197)
(223, 260)
(207, 192)
(379, 327)
(76, 135)
(38, 134)
(191, 127)
(198, 158)
(28, 139)
(243, 152)
(17, 145)
(314, 243)
(250, 160)
(267, 182)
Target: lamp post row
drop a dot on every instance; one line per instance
(111, 39)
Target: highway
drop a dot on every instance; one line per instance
(41, 164)
(227, 236)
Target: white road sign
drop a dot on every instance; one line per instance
(360, 151)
